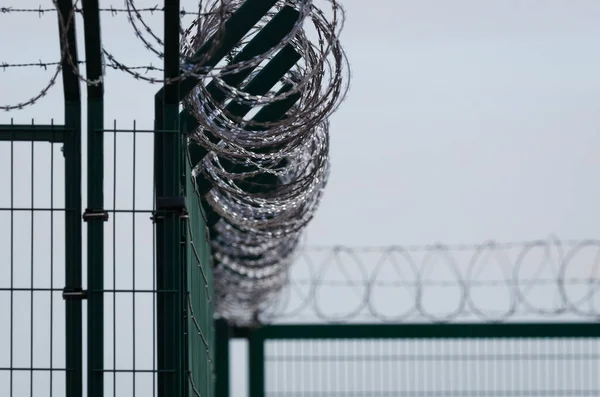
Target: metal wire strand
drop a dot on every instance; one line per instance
(489, 282)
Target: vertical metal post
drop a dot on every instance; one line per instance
(256, 364)
(170, 261)
(73, 251)
(221, 358)
(95, 214)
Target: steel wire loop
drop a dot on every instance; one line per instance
(490, 282)
(267, 150)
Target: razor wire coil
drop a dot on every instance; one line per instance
(262, 219)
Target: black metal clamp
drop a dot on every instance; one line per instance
(70, 294)
(174, 206)
(90, 215)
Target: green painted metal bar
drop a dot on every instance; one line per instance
(268, 37)
(158, 300)
(256, 363)
(95, 200)
(273, 32)
(73, 249)
(170, 259)
(259, 183)
(222, 358)
(236, 27)
(264, 81)
(276, 110)
(33, 133)
(424, 331)
(73, 238)
(271, 112)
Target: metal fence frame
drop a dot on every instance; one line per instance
(184, 337)
(468, 331)
(69, 135)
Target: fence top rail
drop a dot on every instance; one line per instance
(33, 133)
(422, 331)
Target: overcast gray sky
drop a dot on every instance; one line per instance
(466, 120)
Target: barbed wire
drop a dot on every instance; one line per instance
(112, 62)
(40, 64)
(429, 247)
(112, 10)
(490, 282)
(46, 65)
(216, 16)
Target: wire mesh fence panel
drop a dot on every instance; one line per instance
(32, 266)
(131, 286)
(129, 267)
(468, 359)
(34, 342)
(94, 324)
(441, 367)
(199, 301)
(40, 221)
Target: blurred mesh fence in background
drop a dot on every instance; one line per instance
(443, 366)
(429, 360)
(491, 319)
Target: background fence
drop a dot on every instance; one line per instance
(490, 319)
(543, 280)
(501, 360)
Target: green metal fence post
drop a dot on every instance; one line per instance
(222, 358)
(95, 214)
(170, 261)
(73, 293)
(256, 363)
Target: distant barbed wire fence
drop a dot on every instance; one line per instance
(490, 282)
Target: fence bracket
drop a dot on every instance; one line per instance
(170, 206)
(92, 215)
(74, 294)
